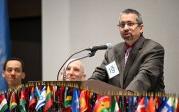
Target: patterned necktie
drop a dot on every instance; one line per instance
(127, 54)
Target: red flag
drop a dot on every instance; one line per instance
(32, 100)
(151, 105)
(141, 105)
(60, 97)
(177, 106)
(157, 102)
(49, 99)
(103, 103)
(23, 100)
(84, 101)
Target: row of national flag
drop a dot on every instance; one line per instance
(55, 98)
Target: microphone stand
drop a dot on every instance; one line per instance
(92, 53)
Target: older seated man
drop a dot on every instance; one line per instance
(73, 71)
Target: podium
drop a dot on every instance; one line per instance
(102, 88)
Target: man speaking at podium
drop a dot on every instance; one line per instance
(135, 64)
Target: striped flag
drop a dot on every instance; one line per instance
(3, 103)
(23, 102)
(32, 100)
(49, 99)
(13, 102)
(4, 40)
(68, 97)
(114, 105)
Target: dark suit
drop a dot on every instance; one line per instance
(143, 70)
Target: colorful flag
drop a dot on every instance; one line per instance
(32, 100)
(168, 105)
(59, 97)
(102, 104)
(151, 105)
(92, 100)
(114, 105)
(49, 99)
(141, 106)
(13, 102)
(3, 103)
(121, 103)
(4, 40)
(135, 102)
(54, 88)
(175, 104)
(132, 102)
(84, 101)
(75, 101)
(22, 103)
(41, 98)
(68, 97)
(158, 102)
(126, 104)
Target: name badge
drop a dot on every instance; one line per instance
(112, 69)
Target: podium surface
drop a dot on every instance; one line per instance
(102, 88)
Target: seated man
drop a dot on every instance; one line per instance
(13, 72)
(73, 71)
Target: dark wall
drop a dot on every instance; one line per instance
(26, 34)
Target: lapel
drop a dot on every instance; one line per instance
(120, 51)
(131, 58)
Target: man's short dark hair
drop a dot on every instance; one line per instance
(13, 58)
(132, 11)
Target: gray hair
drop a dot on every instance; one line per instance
(132, 11)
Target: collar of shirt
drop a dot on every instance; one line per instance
(127, 46)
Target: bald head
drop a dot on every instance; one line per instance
(75, 71)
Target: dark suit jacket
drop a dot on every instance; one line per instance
(143, 70)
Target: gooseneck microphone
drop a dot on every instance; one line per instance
(92, 53)
(102, 47)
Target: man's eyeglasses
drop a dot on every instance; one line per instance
(129, 24)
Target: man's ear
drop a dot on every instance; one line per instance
(23, 75)
(142, 28)
(84, 77)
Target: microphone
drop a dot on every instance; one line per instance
(102, 47)
(92, 53)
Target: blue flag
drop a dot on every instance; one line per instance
(4, 40)
(167, 105)
(75, 101)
